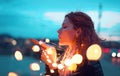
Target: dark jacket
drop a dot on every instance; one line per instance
(92, 68)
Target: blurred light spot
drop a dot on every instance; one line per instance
(52, 71)
(41, 74)
(73, 67)
(106, 50)
(36, 48)
(60, 66)
(118, 54)
(18, 55)
(67, 62)
(113, 60)
(12, 74)
(113, 54)
(47, 40)
(48, 60)
(35, 66)
(40, 42)
(77, 59)
(14, 42)
(94, 52)
(54, 64)
(49, 51)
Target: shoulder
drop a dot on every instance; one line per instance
(92, 68)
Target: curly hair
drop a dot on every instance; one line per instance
(88, 35)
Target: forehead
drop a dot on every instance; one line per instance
(67, 22)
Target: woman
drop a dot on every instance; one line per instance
(77, 34)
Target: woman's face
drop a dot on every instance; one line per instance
(66, 34)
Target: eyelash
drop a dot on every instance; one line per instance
(65, 27)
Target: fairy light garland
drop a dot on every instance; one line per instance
(70, 60)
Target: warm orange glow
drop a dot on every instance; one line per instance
(94, 52)
(18, 55)
(77, 59)
(40, 42)
(67, 62)
(54, 64)
(35, 66)
(73, 67)
(49, 61)
(12, 74)
(60, 66)
(49, 51)
(36, 48)
(52, 71)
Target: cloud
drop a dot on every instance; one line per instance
(108, 19)
(55, 17)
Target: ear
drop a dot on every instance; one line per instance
(78, 32)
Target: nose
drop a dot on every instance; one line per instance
(59, 31)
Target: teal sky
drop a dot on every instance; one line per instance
(42, 18)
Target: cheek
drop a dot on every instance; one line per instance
(67, 37)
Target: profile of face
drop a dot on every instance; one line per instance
(67, 34)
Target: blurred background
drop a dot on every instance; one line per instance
(40, 19)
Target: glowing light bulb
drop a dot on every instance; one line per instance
(35, 66)
(47, 40)
(113, 54)
(12, 74)
(118, 54)
(54, 64)
(49, 60)
(49, 51)
(77, 59)
(94, 52)
(18, 55)
(52, 71)
(73, 67)
(40, 42)
(60, 66)
(36, 48)
(14, 42)
(67, 62)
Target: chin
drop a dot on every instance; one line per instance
(62, 44)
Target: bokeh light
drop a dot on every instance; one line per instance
(94, 52)
(47, 40)
(52, 71)
(113, 54)
(77, 59)
(118, 54)
(35, 66)
(36, 48)
(12, 74)
(14, 42)
(73, 67)
(60, 66)
(18, 55)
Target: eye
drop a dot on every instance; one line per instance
(64, 27)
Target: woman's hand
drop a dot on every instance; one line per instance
(49, 56)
